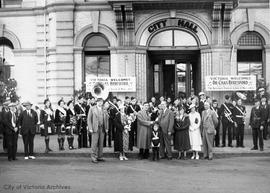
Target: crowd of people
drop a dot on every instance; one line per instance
(189, 123)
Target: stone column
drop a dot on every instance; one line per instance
(141, 75)
(267, 65)
(61, 57)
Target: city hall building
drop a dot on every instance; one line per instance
(51, 46)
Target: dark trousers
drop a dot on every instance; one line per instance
(28, 140)
(227, 128)
(111, 132)
(155, 151)
(132, 135)
(257, 133)
(217, 136)
(5, 146)
(82, 138)
(12, 139)
(165, 144)
(240, 135)
(265, 131)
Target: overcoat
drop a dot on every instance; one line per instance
(144, 130)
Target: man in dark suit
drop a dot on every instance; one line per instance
(28, 121)
(265, 116)
(166, 122)
(257, 124)
(11, 129)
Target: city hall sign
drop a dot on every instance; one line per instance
(179, 23)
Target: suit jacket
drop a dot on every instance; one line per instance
(92, 119)
(9, 128)
(166, 121)
(28, 123)
(256, 120)
(209, 121)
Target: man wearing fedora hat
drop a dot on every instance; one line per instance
(11, 129)
(28, 121)
(97, 121)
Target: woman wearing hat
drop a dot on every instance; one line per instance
(194, 131)
(181, 128)
(47, 123)
(60, 120)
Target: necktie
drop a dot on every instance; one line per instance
(13, 119)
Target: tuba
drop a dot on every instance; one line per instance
(99, 90)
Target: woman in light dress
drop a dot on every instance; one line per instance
(194, 132)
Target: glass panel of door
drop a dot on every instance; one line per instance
(173, 79)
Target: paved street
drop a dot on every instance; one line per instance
(52, 174)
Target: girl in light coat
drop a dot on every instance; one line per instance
(194, 132)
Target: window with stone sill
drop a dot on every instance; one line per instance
(250, 60)
(97, 56)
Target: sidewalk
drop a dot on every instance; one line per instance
(39, 148)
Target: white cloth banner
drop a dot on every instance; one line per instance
(230, 83)
(112, 84)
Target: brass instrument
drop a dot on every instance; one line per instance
(228, 116)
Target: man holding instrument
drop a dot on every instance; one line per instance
(227, 121)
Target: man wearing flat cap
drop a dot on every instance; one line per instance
(11, 129)
(28, 121)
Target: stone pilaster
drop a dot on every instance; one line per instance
(267, 65)
(216, 17)
(141, 75)
(226, 22)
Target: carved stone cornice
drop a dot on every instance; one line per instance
(216, 15)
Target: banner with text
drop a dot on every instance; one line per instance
(112, 84)
(230, 83)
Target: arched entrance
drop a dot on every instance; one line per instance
(173, 63)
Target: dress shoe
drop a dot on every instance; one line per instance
(210, 158)
(14, 158)
(163, 157)
(125, 158)
(242, 146)
(101, 159)
(169, 158)
(223, 146)
(94, 161)
(26, 157)
(254, 148)
(206, 157)
(9, 159)
(32, 157)
(230, 146)
(261, 149)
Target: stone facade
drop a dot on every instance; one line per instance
(48, 39)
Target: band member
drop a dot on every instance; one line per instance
(257, 124)
(112, 111)
(265, 116)
(71, 122)
(27, 123)
(227, 121)
(97, 121)
(216, 110)
(166, 122)
(60, 121)
(133, 109)
(47, 123)
(239, 115)
(209, 123)
(153, 111)
(81, 122)
(262, 93)
(11, 120)
(201, 102)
